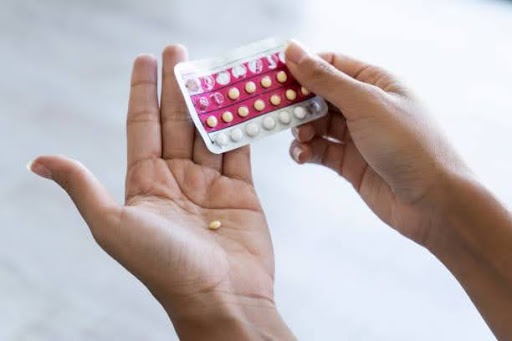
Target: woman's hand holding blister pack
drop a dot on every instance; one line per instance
(378, 137)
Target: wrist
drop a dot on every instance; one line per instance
(467, 219)
(226, 316)
(472, 238)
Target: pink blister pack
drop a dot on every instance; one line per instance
(245, 95)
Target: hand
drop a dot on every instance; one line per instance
(218, 283)
(377, 137)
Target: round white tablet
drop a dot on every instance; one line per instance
(236, 135)
(221, 139)
(300, 112)
(269, 123)
(285, 117)
(252, 129)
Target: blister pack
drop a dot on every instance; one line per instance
(245, 95)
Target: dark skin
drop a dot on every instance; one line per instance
(219, 284)
(174, 188)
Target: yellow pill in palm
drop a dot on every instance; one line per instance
(215, 225)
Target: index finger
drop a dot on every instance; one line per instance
(364, 72)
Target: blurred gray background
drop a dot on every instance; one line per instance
(341, 273)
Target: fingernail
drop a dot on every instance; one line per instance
(39, 169)
(146, 56)
(295, 52)
(296, 152)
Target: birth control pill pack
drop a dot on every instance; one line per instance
(245, 95)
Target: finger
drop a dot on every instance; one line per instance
(348, 65)
(332, 126)
(177, 127)
(92, 200)
(202, 156)
(143, 120)
(237, 164)
(305, 133)
(324, 79)
(319, 151)
(364, 72)
(344, 159)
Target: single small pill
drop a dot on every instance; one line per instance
(275, 100)
(227, 116)
(266, 82)
(291, 95)
(250, 87)
(282, 77)
(269, 123)
(212, 122)
(300, 112)
(243, 111)
(233, 93)
(221, 139)
(236, 135)
(215, 225)
(304, 91)
(285, 117)
(259, 105)
(252, 129)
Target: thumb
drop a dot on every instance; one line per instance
(92, 200)
(322, 78)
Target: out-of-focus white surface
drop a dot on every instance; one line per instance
(341, 274)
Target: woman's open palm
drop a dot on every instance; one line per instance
(174, 188)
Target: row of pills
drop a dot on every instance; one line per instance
(268, 123)
(259, 105)
(249, 88)
(240, 71)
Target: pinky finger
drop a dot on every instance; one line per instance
(319, 151)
